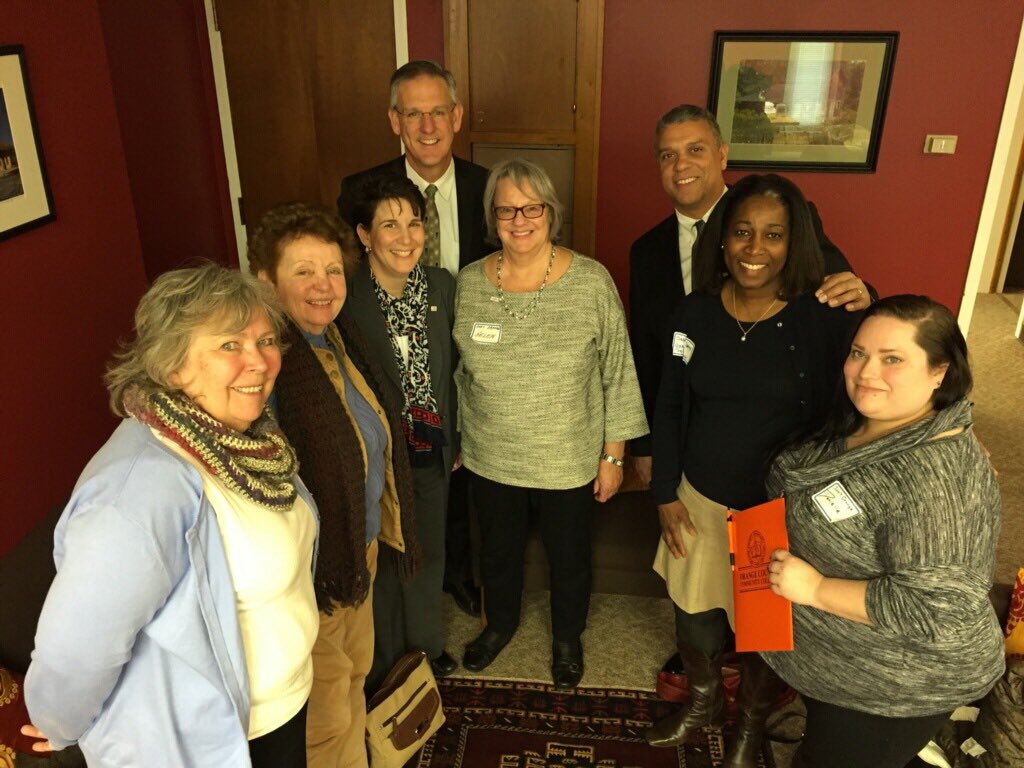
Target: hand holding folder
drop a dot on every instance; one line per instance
(764, 621)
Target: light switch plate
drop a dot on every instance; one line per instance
(939, 145)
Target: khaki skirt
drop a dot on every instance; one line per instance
(701, 580)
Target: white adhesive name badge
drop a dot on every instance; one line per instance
(486, 333)
(836, 503)
(682, 346)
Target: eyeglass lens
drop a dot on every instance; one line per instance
(532, 211)
(415, 115)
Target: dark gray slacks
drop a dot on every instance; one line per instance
(408, 616)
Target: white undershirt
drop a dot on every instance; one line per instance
(270, 556)
(403, 347)
(687, 238)
(447, 203)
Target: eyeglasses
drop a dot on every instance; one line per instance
(531, 211)
(413, 116)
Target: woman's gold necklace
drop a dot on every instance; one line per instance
(744, 331)
(536, 297)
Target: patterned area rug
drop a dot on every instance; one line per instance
(507, 724)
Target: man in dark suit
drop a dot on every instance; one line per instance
(426, 113)
(691, 157)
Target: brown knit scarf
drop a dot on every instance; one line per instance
(332, 464)
(259, 463)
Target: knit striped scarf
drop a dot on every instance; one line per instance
(259, 463)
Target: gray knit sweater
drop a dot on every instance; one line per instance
(925, 541)
(539, 397)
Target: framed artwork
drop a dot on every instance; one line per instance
(25, 199)
(811, 101)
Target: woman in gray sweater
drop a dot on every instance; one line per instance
(547, 397)
(893, 517)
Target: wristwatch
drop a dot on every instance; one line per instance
(612, 460)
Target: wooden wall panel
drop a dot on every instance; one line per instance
(308, 85)
(523, 73)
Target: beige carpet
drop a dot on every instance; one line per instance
(997, 360)
(630, 637)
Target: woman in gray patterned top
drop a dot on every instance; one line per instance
(547, 398)
(893, 517)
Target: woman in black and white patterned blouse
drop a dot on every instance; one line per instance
(405, 309)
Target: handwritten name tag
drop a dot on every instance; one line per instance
(682, 346)
(486, 333)
(836, 503)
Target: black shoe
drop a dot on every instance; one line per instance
(485, 649)
(566, 663)
(443, 665)
(674, 665)
(467, 596)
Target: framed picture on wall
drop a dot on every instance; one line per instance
(25, 199)
(810, 101)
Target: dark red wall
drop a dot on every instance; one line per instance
(161, 70)
(908, 227)
(71, 285)
(425, 21)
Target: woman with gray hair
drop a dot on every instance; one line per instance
(548, 396)
(165, 640)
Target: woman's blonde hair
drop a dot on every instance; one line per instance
(518, 170)
(176, 307)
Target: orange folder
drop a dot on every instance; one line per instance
(764, 621)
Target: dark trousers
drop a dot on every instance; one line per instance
(458, 559)
(283, 747)
(707, 631)
(407, 615)
(837, 737)
(565, 519)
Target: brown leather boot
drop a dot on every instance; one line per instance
(759, 689)
(705, 707)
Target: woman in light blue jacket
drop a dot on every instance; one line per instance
(178, 629)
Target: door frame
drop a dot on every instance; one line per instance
(999, 202)
(589, 59)
(220, 81)
(227, 132)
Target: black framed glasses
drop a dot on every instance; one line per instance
(508, 212)
(413, 116)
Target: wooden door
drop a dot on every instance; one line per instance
(308, 88)
(529, 75)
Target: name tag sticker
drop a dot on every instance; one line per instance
(486, 333)
(836, 503)
(433, 307)
(682, 346)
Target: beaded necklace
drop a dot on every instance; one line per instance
(536, 298)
